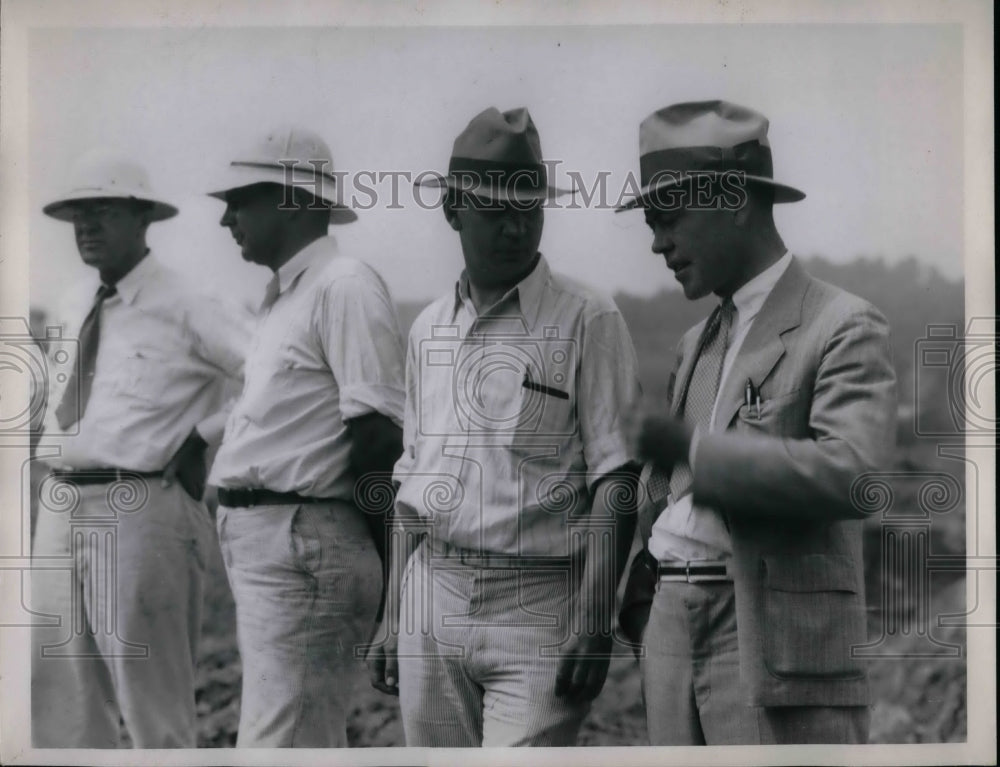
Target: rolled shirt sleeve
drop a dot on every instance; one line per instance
(608, 390)
(360, 337)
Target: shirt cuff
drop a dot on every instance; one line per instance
(357, 400)
(692, 449)
(212, 428)
(604, 456)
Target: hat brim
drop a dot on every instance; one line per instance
(782, 192)
(238, 177)
(491, 192)
(63, 208)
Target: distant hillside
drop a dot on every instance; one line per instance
(910, 295)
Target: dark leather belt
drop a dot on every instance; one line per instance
(101, 476)
(236, 497)
(695, 571)
(488, 561)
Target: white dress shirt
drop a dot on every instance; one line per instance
(164, 355)
(684, 531)
(327, 349)
(513, 415)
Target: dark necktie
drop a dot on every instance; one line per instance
(697, 402)
(77, 392)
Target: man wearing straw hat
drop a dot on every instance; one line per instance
(123, 503)
(513, 473)
(781, 399)
(321, 411)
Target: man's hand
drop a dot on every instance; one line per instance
(664, 441)
(383, 664)
(583, 667)
(188, 466)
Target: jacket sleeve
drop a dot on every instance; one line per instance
(851, 431)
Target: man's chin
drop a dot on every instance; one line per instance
(692, 291)
(92, 257)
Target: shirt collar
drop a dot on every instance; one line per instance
(527, 293)
(131, 284)
(290, 271)
(750, 297)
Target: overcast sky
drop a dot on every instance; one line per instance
(867, 119)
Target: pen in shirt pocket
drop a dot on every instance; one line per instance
(527, 383)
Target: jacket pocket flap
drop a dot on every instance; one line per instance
(811, 572)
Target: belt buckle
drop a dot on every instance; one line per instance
(706, 578)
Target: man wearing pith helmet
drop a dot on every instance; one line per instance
(320, 412)
(513, 473)
(131, 422)
(751, 576)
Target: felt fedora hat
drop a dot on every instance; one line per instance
(498, 157)
(288, 156)
(104, 174)
(680, 141)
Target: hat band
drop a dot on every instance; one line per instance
(750, 157)
(294, 167)
(471, 173)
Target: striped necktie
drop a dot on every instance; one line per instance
(77, 393)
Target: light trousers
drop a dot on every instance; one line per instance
(478, 655)
(128, 603)
(307, 582)
(691, 680)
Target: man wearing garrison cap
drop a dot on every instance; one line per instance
(780, 400)
(517, 383)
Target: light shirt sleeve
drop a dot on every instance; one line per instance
(360, 337)
(221, 336)
(407, 460)
(608, 390)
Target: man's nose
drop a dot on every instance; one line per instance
(228, 218)
(87, 224)
(662, 244)
(515, 224)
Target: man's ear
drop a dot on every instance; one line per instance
(741, 216)
(451, 211)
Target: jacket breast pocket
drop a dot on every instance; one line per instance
(813, 615)
(784, 414)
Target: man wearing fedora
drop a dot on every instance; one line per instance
(514, 448)
(780, 400)
(123, 504)
(321, 411)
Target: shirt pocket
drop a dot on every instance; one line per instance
(143, 376)
(546, 422)
(813, 615)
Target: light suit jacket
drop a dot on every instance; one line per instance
(821, 360)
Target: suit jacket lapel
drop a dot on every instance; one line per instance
(763, 345)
